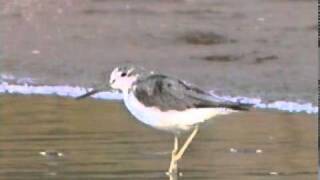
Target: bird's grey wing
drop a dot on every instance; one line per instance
(168, 93)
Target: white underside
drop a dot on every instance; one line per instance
(171, 120)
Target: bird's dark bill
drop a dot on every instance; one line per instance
(88, 94)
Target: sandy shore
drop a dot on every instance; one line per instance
(252, 47)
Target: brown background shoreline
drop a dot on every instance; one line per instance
(252, 48)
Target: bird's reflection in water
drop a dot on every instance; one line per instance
(174, 176)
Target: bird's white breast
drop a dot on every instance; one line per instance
(171, 120)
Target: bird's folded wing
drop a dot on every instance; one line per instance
(168, 93)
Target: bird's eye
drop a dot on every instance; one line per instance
(123, 74)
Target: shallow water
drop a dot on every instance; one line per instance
(58, 138)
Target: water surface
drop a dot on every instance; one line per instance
(59, 138)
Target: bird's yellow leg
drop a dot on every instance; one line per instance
(186, 144)
(176, 156)
(173, 163)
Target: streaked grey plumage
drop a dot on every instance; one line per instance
(167, 93)
(182, 106)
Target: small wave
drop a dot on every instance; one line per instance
(74, 91)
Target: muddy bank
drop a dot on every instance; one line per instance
(251, 48)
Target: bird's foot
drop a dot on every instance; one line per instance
(174, 174)
(173, 169)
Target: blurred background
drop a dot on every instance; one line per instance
(262, 48)
(252, 48)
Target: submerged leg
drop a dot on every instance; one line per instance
(186, 144)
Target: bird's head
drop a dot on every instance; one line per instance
(123, 77)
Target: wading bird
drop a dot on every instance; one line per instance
(167, 104)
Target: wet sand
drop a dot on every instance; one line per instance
(58, 138)
(251, 48)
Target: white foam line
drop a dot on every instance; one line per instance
(70, 91)
(279, 105)
(59, 90)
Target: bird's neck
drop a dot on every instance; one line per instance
(126, 92)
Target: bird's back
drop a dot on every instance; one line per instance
(167, 93)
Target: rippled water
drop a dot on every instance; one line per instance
(58, 138)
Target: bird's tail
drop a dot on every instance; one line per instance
(239, 106)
